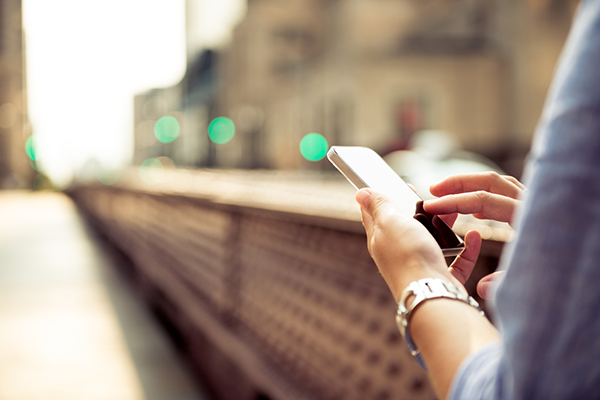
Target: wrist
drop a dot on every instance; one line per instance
(401, 276)
(417, 294)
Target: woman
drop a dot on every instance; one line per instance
(548, 303)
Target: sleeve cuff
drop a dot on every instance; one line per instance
(478, 375)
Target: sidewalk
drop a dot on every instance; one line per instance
(70, 328)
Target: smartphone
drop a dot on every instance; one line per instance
(364, 168)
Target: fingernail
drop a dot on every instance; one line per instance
(363, 197)
(484, 289)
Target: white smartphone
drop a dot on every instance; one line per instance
(364, 168)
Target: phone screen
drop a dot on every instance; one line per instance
(363, 167)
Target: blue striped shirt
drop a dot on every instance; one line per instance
(548, 304)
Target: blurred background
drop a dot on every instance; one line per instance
(162, 166)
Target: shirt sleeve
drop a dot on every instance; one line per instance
(475, 379)
(548, 304)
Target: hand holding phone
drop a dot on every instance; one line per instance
(366, 169)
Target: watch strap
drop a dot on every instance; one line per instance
(420, 291)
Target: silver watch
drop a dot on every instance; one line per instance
(420, 291)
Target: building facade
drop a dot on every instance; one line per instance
(367, 73)
(372, 73)
(15, 168)
(192, 103)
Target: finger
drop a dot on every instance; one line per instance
(484, 286)
(487, 181)
(463, 265)
(491, 206)
(363, 198)
(367, 221)
(379, 206)
(374, 206)
(515, 181)
(449, 219)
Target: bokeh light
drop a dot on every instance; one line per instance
(167, 162)
(154, 108)
(107, 177)
(152, 171)
(181, 180)
(30, 147)
(144, 133)
(34, 165)
(166, 129)
(38, 181)
(313, 147)
(221, 130)
(42, 182)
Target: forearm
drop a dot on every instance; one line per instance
(446, 332)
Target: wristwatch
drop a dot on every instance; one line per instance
(420, 291)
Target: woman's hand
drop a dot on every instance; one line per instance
(445, 331)
(404, 250)
(484, 195)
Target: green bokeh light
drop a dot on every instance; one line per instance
(107, 177)
(313, 147)
(152, 171)
(166, 129)
(221, 130)
(38, 182)
(30, 147)
(42, 182)
(34, 165)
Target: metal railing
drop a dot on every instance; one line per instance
(267, 278)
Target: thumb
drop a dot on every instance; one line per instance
(363, 198)
(375, 204)
(485, 284)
